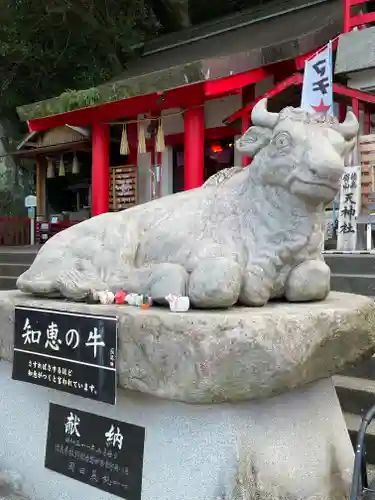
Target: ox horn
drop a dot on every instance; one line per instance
(349, 127)
(261, 117)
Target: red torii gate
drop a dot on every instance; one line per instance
(292, 85)
(356, 19)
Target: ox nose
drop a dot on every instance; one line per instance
(331, 172)
(325, 166)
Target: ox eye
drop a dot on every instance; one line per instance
(282, 141)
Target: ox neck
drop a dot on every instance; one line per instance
(283, 215)
(278, 197)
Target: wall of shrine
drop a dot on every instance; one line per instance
(216, 110)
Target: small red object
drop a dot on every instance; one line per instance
(120, 297)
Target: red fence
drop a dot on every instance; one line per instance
(45, 230)
(14, 231)
(357, 19)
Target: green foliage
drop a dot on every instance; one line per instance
(73, 99)
(48, 46)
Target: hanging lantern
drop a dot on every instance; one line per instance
(61, 167)
(75, 165)
(216, 148)
(50, 169)
(142, 138)
(124, 146)
(159, 141)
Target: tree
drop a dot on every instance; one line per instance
(47, 47)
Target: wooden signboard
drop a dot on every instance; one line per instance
(367, 155)
(123, 187)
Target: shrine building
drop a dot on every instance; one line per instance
(171, 120)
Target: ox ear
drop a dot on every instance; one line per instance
(253, 140)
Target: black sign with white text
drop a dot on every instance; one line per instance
(70, 352)
(95, 450)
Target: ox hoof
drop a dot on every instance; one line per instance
(215, 283)
(256, 288)
(309, 281)
(167, 279)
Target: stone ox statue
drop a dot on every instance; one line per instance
(247, 235)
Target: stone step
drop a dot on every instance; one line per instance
(363, 370)
(356, 395)
(351, 263)
(8, 282)
(9, 255)
(353, 423)
(362, 284)
(13, 269)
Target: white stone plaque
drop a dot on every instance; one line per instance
(30, 201)
(350, 201)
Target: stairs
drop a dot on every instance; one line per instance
(13, 262)
(355, 388)
(356, 393)
(352, 273)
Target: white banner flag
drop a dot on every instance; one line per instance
(317, 94)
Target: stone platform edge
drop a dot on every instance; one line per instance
(206, 357)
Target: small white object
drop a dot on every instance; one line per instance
(30, 201)
(139, 300)
(106, 297)
(131, 299)
(177, 303)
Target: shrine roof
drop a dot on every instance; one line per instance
(236, 44)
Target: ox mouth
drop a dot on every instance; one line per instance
(328, 185)
(316, 191)
(317, 183)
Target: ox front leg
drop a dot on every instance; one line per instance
(257, 285)
(215, 283)
(308, 281)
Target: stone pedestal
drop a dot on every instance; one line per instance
(296, 444)
(263, 419)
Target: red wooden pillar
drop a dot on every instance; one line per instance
(367, 121)
(342, 112)
(194, 148)
(347, 12)
(100, 169)
(355, 107)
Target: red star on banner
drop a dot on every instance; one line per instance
(321, 108)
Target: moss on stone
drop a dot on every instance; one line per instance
(149, 83)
